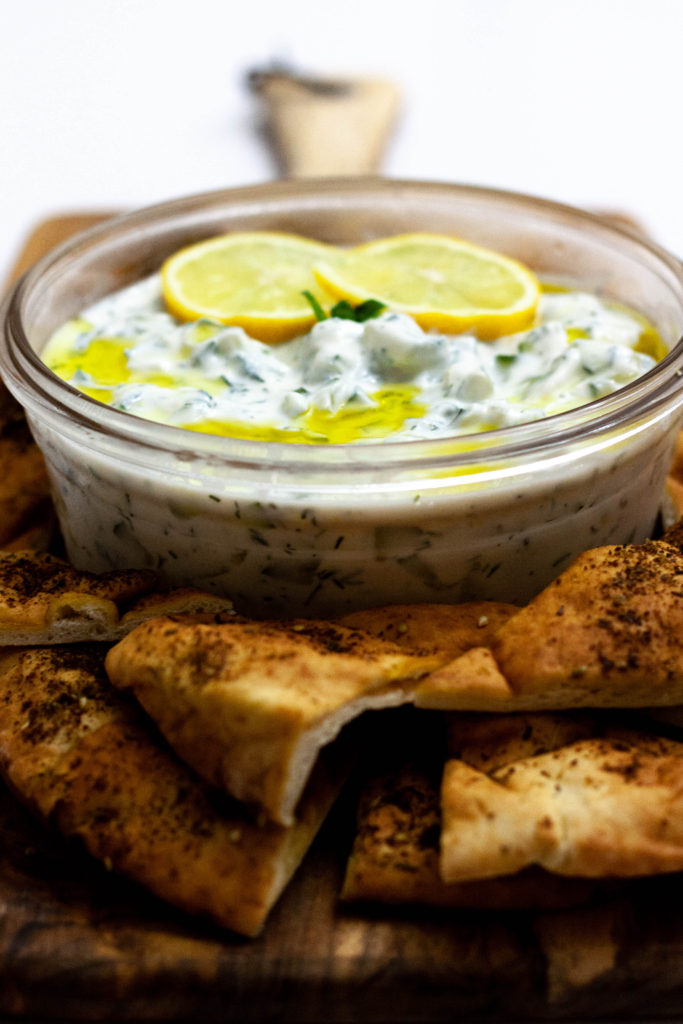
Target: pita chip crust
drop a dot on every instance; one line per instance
(250, 704)
(448, 629)
(86, 760)
(606, 633)
(608, 630)
(605, 805)
(471, 682)
(43, 600)
(185, 601)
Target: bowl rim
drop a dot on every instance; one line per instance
(41, 391)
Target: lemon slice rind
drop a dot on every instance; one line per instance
(252, 280)
(433, 269)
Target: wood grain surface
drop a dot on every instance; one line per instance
(79, 944)
(48, 233)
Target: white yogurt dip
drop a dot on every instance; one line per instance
(283, 538)
(347, 382)
(318, 529)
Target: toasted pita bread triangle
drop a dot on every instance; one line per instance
(86, 760)
(250, 704)
(395, 854)
(606, 633)
(43, 600)
(596, 800)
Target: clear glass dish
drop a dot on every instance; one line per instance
(293, 529)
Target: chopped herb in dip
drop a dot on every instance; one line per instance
(360, 374)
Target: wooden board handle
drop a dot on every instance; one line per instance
(326, 127)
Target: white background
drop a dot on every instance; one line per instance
(108, 104)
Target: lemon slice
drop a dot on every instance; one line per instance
(250, 279)
(442, 282)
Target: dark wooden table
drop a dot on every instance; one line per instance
(80, 944)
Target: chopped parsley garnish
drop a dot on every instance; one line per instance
(343, 310)
(504, 359)
(363, 311)
(320, 313)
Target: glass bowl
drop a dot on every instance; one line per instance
(297, 529)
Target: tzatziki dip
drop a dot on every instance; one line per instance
(347, 518)
(346, 381)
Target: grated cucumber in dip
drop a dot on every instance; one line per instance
(348, 382)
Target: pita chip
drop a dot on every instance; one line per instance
(87, 761)
(395, 854)
(43, 600)
(605, 804)
(250, 704)
(606, 633)
(448, 629)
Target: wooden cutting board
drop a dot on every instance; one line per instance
(77, 943)
(48, 233)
